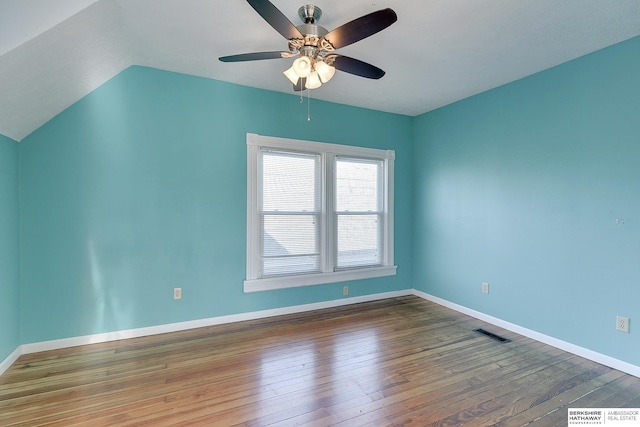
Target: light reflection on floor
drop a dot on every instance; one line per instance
(302, 379)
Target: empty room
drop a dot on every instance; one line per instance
(271, 213)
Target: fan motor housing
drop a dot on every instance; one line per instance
(312, 30)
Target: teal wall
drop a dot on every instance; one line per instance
(522, 187)
(9, 242)
(140, 187)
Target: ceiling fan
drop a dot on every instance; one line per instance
(315, 47)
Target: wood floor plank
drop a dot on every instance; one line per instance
(400, 361)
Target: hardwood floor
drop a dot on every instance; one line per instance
(402, 361)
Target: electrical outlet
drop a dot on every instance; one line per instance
(622, 324)
(485, 288)
(345, 291)
(177, 293)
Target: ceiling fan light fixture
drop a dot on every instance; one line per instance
(313, 81)
(302, 66)
(291, 75)
(325, 71)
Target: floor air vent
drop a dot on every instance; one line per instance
(492, 335)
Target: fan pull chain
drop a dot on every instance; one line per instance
(301, 92)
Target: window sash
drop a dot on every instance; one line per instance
(288, 251)
(367, 250)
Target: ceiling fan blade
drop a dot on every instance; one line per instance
(255, 56)
(276, 19)
(361, 28)
(356, 67)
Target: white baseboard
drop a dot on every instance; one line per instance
(173, 327)
(554, 342)
(10, 359)
(181, 326)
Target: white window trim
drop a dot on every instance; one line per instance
(253, 283)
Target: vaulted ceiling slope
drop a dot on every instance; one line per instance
(438, 52)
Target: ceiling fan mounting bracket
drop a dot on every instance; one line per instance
(309, 13)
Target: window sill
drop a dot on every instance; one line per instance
(283, 282)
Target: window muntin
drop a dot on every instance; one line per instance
(317, 213)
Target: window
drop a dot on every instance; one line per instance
(317, 213)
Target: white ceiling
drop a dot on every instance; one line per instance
(53, 53)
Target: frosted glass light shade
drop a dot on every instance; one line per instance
(325, 71)
(313, 81)
(291, 75)
(302, 66)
